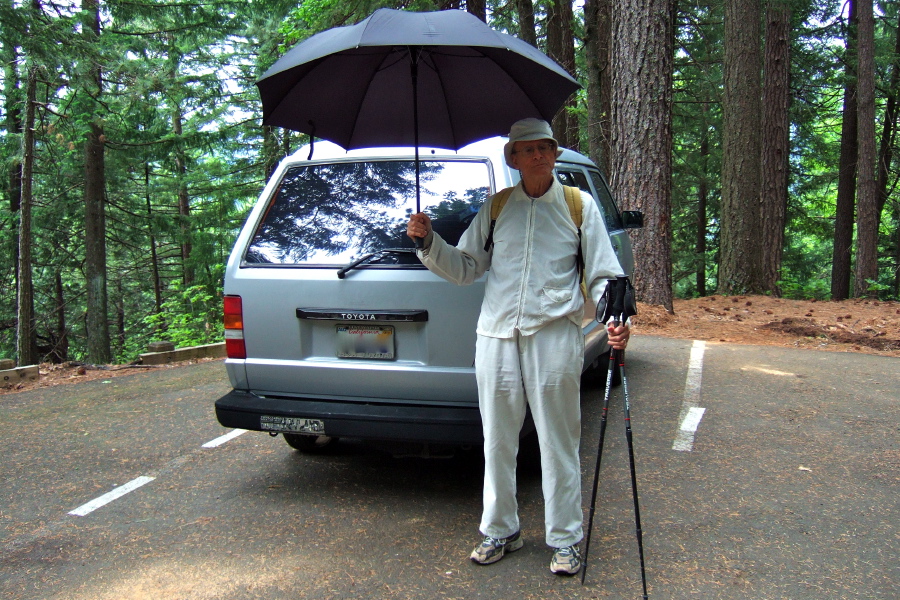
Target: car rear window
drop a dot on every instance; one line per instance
(330, 214)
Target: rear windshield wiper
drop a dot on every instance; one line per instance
(342, 272)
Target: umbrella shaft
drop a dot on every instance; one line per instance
(414, 74)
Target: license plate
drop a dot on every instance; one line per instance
(365, 341)
(291, 424)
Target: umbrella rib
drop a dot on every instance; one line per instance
(382, 67)
(433, 65)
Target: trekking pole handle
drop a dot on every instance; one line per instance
(618, 296)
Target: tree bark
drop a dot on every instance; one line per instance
(846, 190)
(889, 130)
(61, 342)
(525, 10)
(154, 259)
(561, 48)
(775, 141)
(477, 8)
(97, 320)
(740, 240)
(702, 202)
(13, 118)
(26, 342)
(642, 63)
(866, 192)
(184, 201)
(597, 23)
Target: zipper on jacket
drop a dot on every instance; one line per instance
(529, 245)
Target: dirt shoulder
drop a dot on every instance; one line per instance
(73, 372)
(864, 326)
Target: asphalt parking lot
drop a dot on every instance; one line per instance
(762, 473)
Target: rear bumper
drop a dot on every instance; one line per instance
(373, 420)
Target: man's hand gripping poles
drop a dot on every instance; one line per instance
(622, 306)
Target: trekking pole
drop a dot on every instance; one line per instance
(634, 492)
(618, 301)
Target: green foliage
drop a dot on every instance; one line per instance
(185, 155)
(190, 317)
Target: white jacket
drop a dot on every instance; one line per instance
(532, 278)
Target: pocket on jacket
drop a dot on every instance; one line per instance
(555, 302)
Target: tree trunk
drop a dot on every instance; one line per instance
(477, 8)
(13, 117)
(61, 342)
(525, 10)
(120, 317)
(12, 102)
(597, 40)
(846, 190)
(184, 202)
(97, 320)
(866, 193)
(889, 130)
(270, 150)
(739, 239)
(26, 342)
(775, 141)
(561, 48)
(702, 201)
(642, 63)
(154, 260)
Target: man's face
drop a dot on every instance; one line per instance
(535, 158)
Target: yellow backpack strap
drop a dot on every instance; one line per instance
(573, 202)
(497, 203)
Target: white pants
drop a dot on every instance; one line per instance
(544, 371)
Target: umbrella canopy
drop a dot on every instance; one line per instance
(442, 79)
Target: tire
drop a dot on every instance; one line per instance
(595, 375)
(310, 444)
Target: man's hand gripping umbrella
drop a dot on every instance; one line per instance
(621, 306)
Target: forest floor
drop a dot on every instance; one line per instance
(864, 326)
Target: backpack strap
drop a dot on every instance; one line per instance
(573, 202)
(497, 204)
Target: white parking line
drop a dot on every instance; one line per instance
(692, 420)
(691, 413)
(105, 499)
(224, 438)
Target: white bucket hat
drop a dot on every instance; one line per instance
(527, 130)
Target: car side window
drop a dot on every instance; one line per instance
(600, 192)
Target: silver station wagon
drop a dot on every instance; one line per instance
(333, 326)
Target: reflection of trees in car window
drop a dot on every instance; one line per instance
(452, 216)
(333, 213)
(326, 210)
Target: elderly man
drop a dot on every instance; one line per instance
(530, 346)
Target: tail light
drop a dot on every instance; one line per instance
(234, 328)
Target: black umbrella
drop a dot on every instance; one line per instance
(363, 85)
